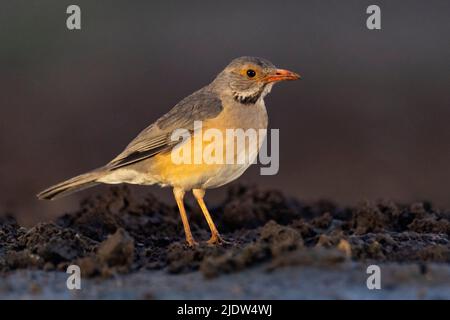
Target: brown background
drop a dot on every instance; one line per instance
(369, 121)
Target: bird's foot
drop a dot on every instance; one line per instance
(191, 242)
(216, 239)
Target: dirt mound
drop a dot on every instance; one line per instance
(116, 233)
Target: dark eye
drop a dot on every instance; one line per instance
(251, 73)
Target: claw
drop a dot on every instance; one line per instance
(192, 243)
(216, 239)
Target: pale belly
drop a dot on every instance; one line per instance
(215, 167)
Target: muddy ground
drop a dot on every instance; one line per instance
(117, 237)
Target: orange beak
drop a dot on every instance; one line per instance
(281, 75)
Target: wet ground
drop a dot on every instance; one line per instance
(279, 247)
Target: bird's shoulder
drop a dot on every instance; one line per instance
(201, 105)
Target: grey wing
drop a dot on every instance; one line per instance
(155, 139)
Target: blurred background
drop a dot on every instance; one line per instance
(370, 119)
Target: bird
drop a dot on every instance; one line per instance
(233, 100)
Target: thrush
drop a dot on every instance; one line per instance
(233, 100)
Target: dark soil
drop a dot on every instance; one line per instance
(116, 233)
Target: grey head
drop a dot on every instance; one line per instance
(247, 79)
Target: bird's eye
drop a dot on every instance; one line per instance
(251, 73)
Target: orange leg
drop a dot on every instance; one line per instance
(215, 236)
(179, 195)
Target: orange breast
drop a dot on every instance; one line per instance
(194, 172)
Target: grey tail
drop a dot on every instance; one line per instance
(75, 184)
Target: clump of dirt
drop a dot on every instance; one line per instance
(273, 242)
(9, 233)
(115, 233)
(114, 255)
(249, 208)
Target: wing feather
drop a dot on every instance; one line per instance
(201, 105)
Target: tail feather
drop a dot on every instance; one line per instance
(75, 184)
